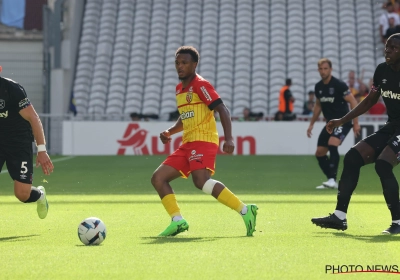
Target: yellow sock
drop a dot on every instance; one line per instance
(227, 198)
(171, 205)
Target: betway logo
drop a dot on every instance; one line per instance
(4, 115)
(327, 99)
(390, 94)
(187, 115)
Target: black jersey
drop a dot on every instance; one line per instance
(331, 98)
(388, 82)
(14, 129)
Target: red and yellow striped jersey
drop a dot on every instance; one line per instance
(197, 118)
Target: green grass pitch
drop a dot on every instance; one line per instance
(117, 189)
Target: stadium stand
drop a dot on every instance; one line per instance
(248, 48)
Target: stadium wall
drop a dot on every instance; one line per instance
(142, 138)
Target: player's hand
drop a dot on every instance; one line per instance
(332, 124)
(44, 161)
(356, 129)
(228, 146)
(165, 137)
(310, 128)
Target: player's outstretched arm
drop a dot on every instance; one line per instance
(358, 110)
(42, 158)
(165, 136)
(316, 112)
(225, 116)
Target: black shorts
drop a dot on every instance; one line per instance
(388, 135)
(19, 162)
(339, 132)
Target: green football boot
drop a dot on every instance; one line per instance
(250, 218)
(175, 227)
(42, 205)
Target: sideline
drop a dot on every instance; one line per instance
(56, 160)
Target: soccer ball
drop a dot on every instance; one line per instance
(92, 231)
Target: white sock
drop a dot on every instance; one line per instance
(41, 195)
(396, 222)
(340, 214)
(176, 218)
(244, 210)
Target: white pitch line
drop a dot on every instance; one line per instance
(56, 160)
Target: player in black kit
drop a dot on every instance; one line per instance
(19, 126)
(381, 147)
(332, 98)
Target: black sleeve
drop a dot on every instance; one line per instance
(19, 96)
(343, 89)
(377, 76)
(215, 104)
(287, 94)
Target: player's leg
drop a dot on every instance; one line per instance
(169, 170)
(20, 168)
(384, 164)
(202, 169)
(363, 153)
(335, 140)
(320, 154)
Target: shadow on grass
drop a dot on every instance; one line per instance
(181, 239)
(17, 238)
(379, 238)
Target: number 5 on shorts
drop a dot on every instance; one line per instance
(24, 169)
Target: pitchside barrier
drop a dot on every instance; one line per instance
(83, 137)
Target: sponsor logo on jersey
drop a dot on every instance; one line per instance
(2, 104)
(327, 99)
(23, 103)
(331, 90)
(189, 97)
(187, 115)
(206, 94)
(390, 94)
(4, 115)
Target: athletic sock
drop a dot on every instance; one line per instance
(171, 205)
(35, 195)
(324, 165)
(352, 164)
(244, 210)
(334, 159)
(227, 198)
(177, 218)
(340, 214)
(396, 222)
(390, 187)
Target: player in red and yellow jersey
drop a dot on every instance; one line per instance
(196, 100)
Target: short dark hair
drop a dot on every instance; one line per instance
(288, 82)
(190, 50)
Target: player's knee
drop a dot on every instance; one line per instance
(384, 169)
(22, 194)
(199, 182)
(353, 158)
(156, 180)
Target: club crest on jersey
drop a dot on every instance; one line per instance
(2, 104)
(189, 97)
(331, 90)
